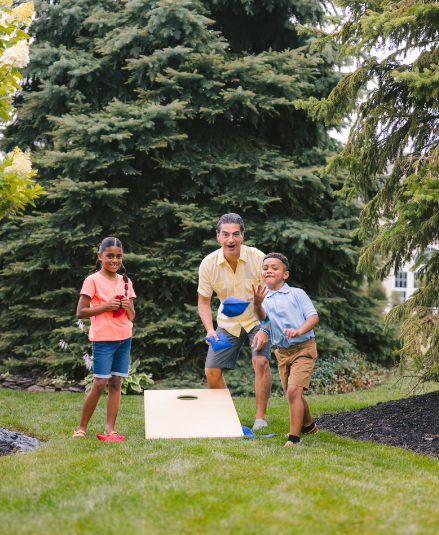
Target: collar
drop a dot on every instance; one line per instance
(284, 290)
(242, 255)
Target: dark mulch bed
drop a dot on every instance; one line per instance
(411, 423)
(6, 448)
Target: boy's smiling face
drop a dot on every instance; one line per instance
(274, 273)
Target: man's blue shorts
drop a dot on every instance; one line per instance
(111, 358)
(226, 358)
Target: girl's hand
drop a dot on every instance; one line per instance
(113, 304)
(259, 294)
(125, 303)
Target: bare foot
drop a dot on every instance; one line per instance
(288, 444)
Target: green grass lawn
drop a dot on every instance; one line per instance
(225, 486)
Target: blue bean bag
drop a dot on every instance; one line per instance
(222, 343)
(234, 306)
(248, 432)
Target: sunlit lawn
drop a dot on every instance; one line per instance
(225, 486)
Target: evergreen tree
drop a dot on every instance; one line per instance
(148, 120)
(397, 124)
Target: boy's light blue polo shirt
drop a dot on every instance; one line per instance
(287, 308)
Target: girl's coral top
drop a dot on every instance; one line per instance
(105, 328)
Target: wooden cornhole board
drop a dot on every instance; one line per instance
(211, 415)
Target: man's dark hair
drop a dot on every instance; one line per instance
(230, 218)
(280, 257)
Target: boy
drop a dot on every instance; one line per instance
(292, 317)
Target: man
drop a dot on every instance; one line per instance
(231, 271)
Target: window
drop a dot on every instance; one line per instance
(428, 253)
(402, 297)
(401, 280)
(419, 280)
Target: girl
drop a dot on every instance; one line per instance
(107, 298)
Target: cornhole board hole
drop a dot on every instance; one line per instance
(191, 413)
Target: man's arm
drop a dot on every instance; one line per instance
(206, 315)
(307, 326)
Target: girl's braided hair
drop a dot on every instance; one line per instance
(105, 244)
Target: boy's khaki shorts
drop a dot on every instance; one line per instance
(296, 363)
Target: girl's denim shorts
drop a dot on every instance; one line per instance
(111, 358)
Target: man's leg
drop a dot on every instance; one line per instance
(215, 378)
(217, 361)
(263, 382)
(263, 379)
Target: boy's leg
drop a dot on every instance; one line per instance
(307, 418)
(297, 409)
(299, 378)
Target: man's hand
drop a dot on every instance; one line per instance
(259, 294)
(260, 340)
(113, 304)
(293, 333)
(211, 333)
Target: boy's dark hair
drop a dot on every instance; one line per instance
(280, 257)
(112, 242)
(230, 218)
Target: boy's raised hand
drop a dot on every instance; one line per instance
(259, 294)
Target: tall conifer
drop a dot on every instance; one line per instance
(396, 44)
(148, 120)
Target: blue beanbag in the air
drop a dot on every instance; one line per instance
(234, 306)
(222, 343)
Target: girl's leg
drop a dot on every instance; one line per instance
(91, 401)
(113, 402)
(119, 370)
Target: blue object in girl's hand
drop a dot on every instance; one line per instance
(221, 343)
(233, 306)
(247, 432)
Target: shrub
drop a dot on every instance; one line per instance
(332, 375)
